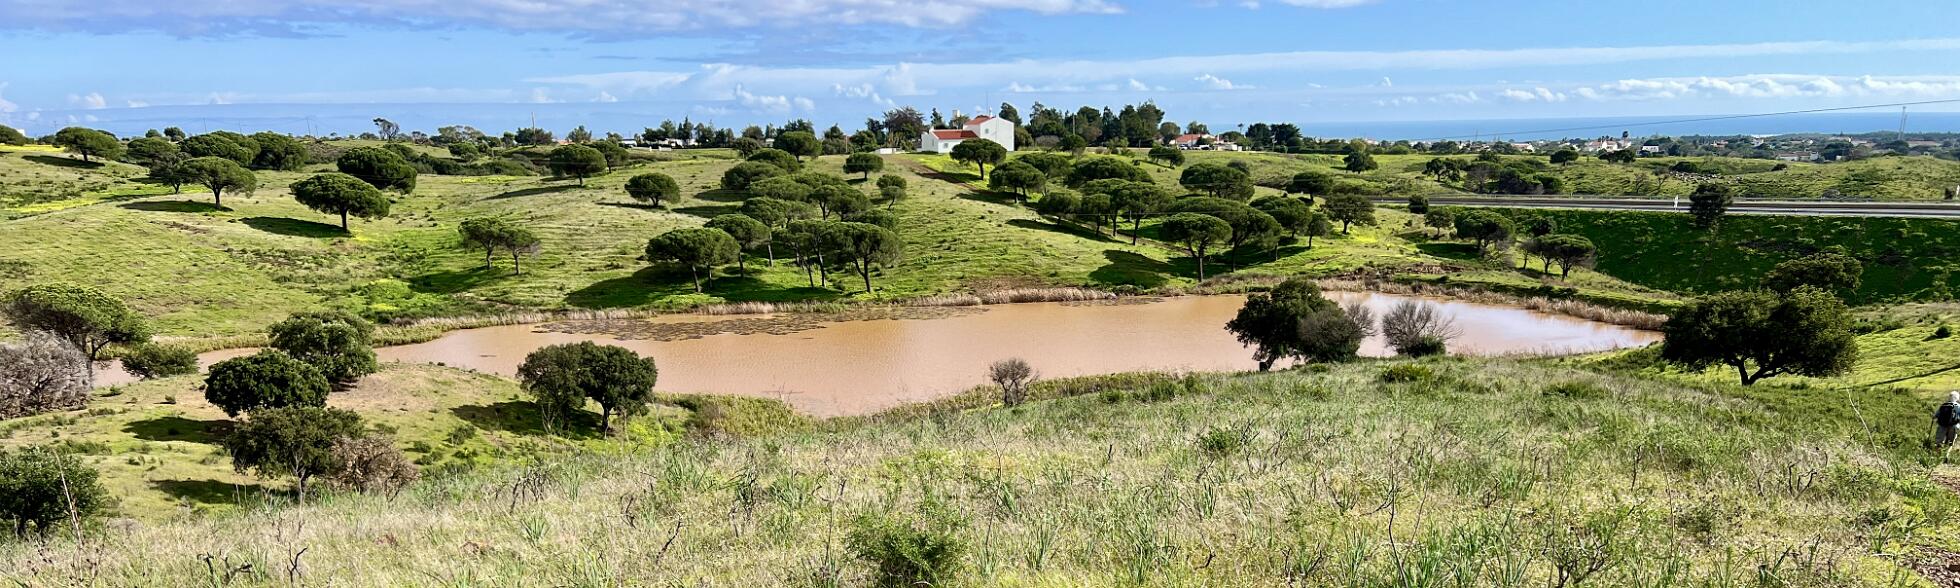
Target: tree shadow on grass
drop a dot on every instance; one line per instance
(533, 191)
(176, 206)
(722, 195)
(709, 210)
(1066, 229)
(293, 227)
(453, 281)
(177, 428)
(523, 418)
(1130, 268)
(63, 161)
(637, 205)
(1462, 251)
(213, 491)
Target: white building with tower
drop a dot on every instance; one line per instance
(998, 130)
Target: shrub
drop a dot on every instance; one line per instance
(42, 374)
(150, 361)
(562, 377)
(371, 464)
(1424, 346)
(269, 379)
(1013, 376)
(294, 441)
(336, 342)
(38, 487)
(1405, 372)
(1219, 442)
(1942, 332)
(924, 549)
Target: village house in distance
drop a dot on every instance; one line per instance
(998, 130)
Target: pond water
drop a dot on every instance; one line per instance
(878, 359)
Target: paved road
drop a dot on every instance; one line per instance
(1784, 207)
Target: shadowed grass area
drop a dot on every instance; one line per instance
(294, 227)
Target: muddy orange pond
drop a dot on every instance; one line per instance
(866, 360)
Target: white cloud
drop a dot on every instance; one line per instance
(1138, 86)
(605, 96)
(91, 100)
(540, 96)
(864, 91)
(136, 103)
(1387, 83)
(716, 81)
(1397, 101)
(6, 106)
(1773, 86)
(1538, 94)
(219, 98)
(1469, 97)
(771, 104)
(1218, 83)
(620, 16)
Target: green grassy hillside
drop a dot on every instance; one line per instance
(1904, 258)
(1479, 472)
(202, 271)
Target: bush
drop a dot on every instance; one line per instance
(43, 374)
(296, 441)
(1424, 346)
(1942, 332)
(269, 379)
(1219, 442)
(1405, 372)
(336, 342)
(1013, 376)
(925, 549)
(37, 487)
(371, 464)
(150, 361)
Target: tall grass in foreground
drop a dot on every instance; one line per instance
(1442, 473)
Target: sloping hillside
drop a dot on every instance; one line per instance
(1484, 472)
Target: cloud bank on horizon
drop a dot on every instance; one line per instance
(841, 60)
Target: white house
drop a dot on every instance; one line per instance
(1193, 141)
(998, 130)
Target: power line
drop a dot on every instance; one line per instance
(1694, 120)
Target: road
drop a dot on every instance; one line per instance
(1782, 207)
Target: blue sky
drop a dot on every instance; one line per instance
(123, 63)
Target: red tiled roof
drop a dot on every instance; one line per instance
(954, 134)
(1190, 138)
(979, 119)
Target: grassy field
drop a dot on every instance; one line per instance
(224, 273)
(1903, 258)
(1879, 178)
(1462, 472)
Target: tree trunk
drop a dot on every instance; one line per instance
(864, 269)
(696, 273)
(218, 197)
(1267, 364)
(1201, 266)
(1136, 229)
(343, 221)
(741, 263)
(516, 263)
(771, 246)
(605, 420)
(488, 262)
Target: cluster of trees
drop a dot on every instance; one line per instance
(1294, 320)
(1490, 174)
(822, 219)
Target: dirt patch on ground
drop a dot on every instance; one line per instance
(773, 325)
(1939, 566)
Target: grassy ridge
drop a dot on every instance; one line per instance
(1903, 257)
(1488, 471)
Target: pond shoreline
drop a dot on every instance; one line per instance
(872, 359)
